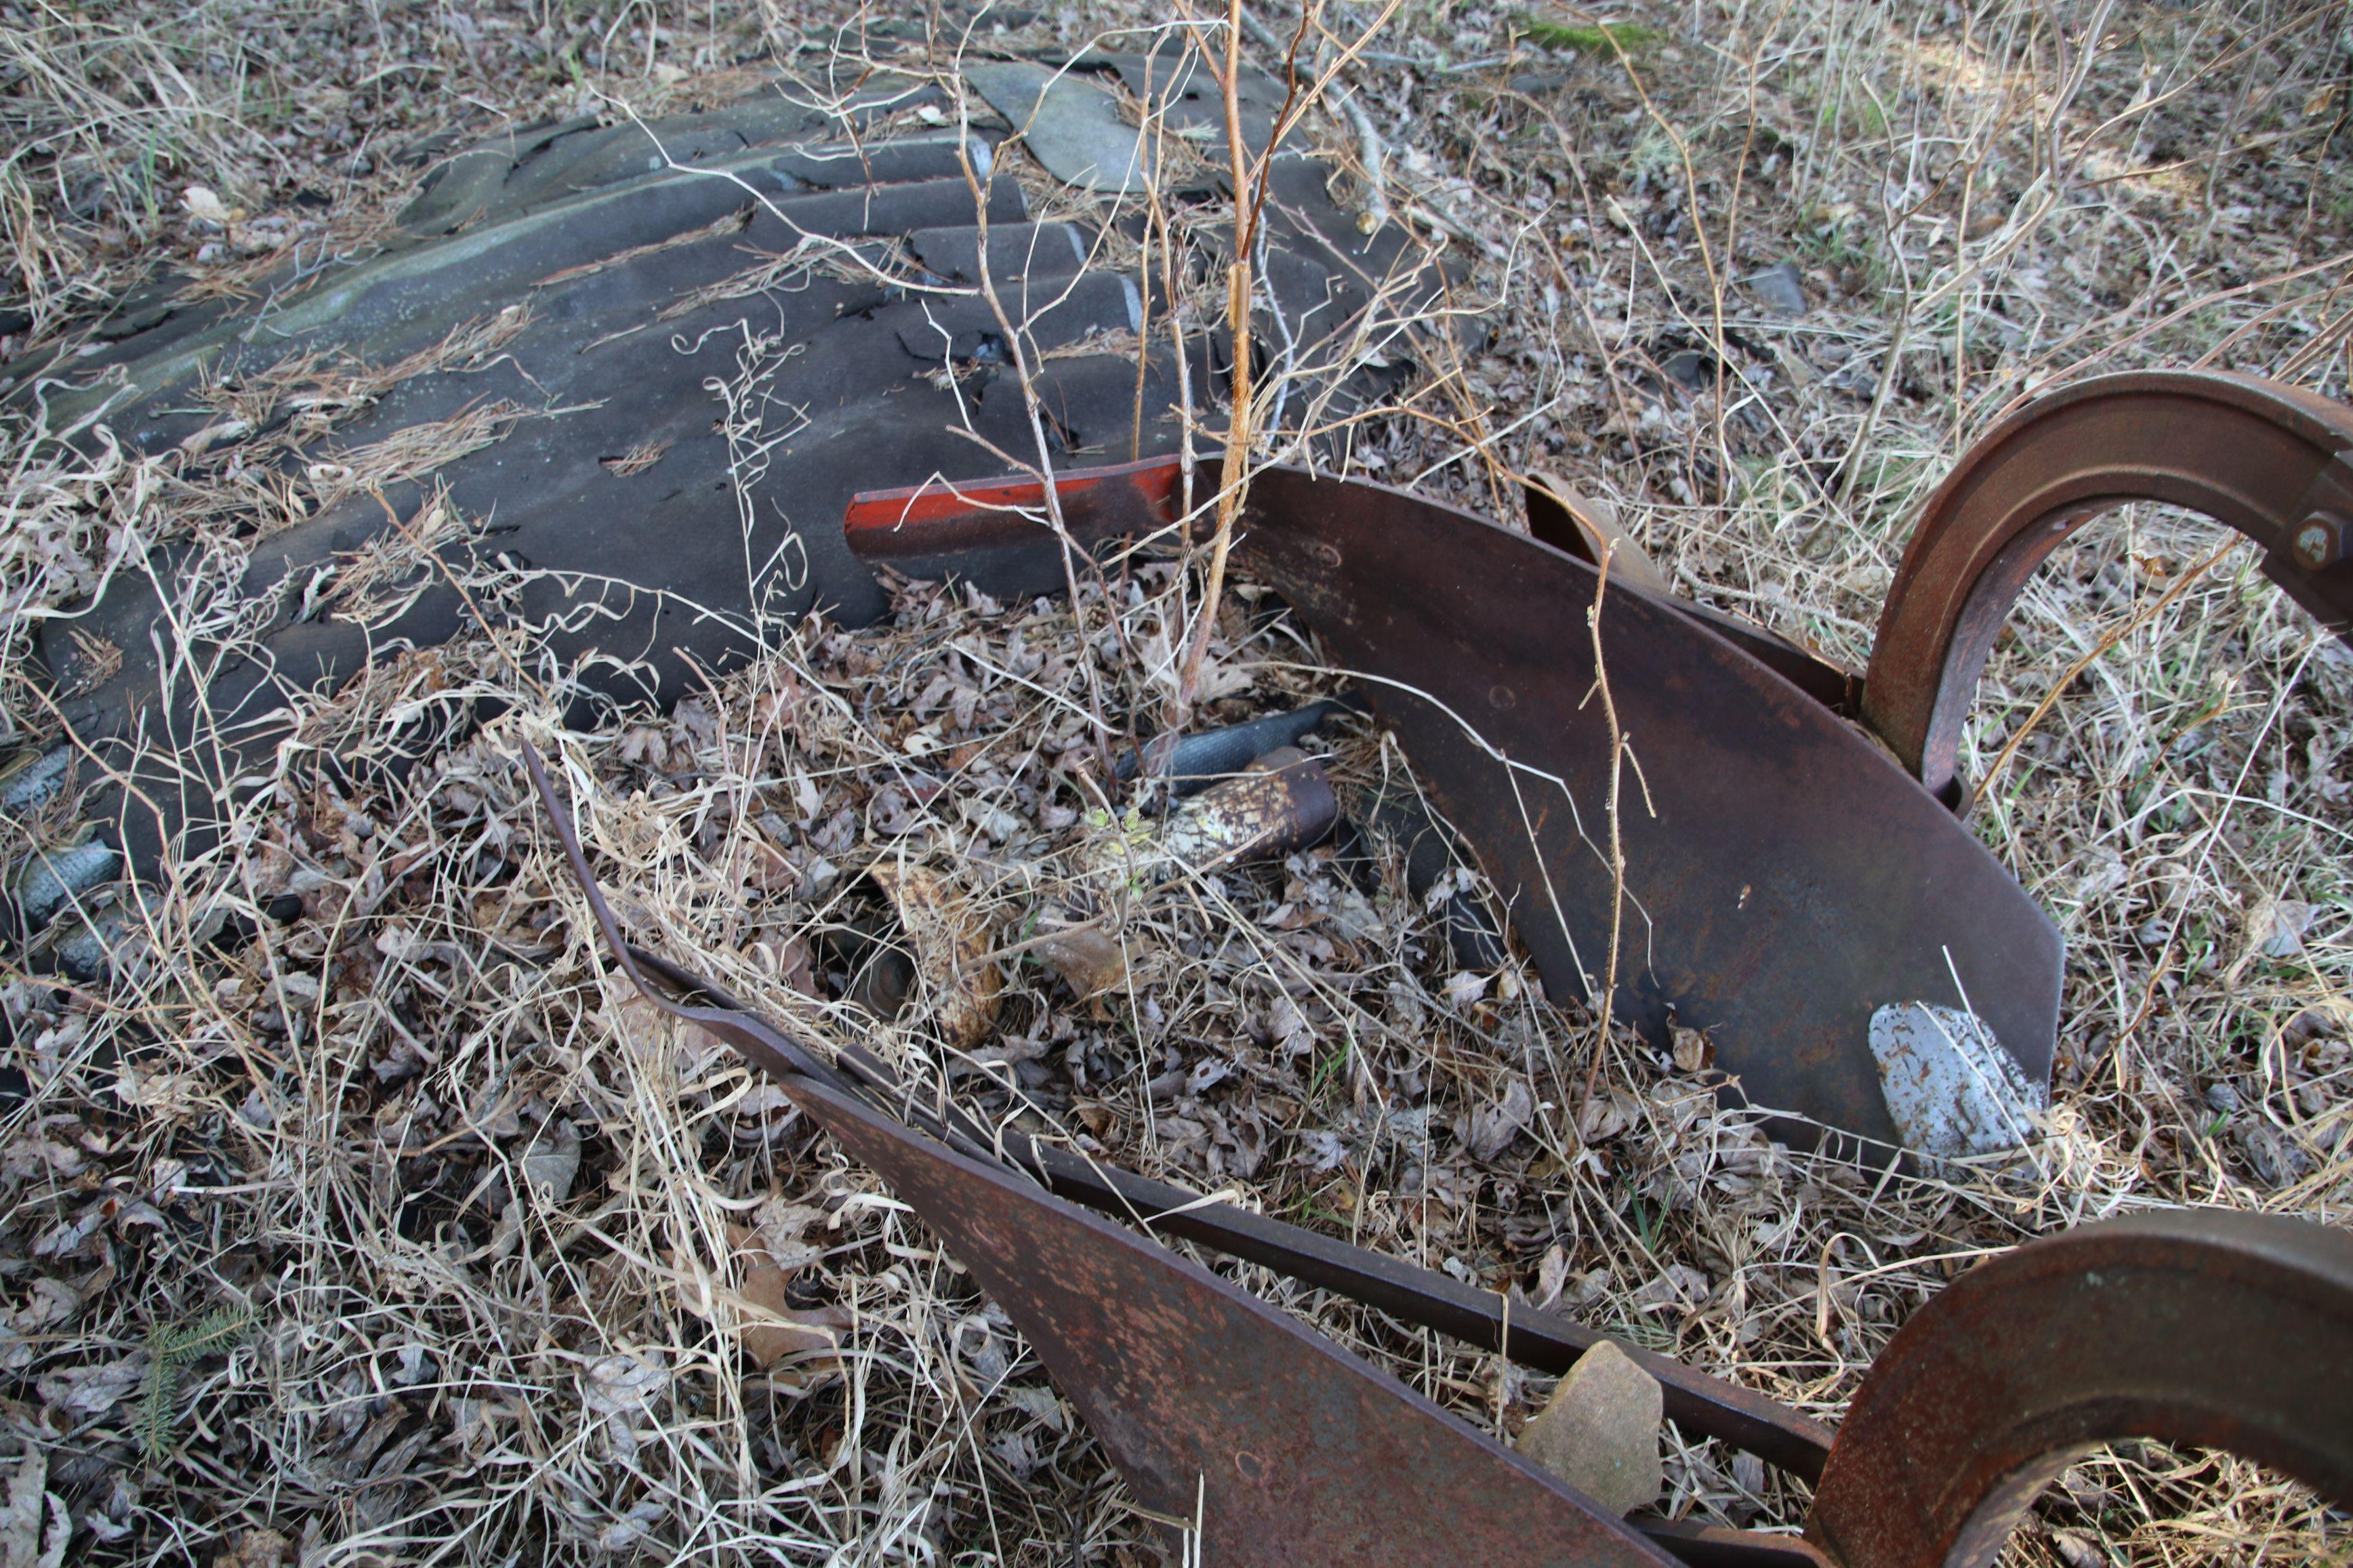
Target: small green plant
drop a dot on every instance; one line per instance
(171, 1348)
(1604, 41)
(1649, 1223)
(1857, 118)
(1305, 1208)
(1326, 1071)
(1831, 235)
(1656, 154)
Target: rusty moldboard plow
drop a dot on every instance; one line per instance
(1786, 887)
(2226, 1329)
(1792, 882)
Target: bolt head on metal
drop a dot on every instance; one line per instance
(2318, 542)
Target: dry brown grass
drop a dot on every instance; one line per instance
(489, 1234)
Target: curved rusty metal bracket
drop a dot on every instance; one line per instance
(2275, 462)
(2223, 1330)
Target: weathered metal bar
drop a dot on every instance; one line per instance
(1198, 760)
(1422, 1298)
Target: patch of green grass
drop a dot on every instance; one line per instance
(1828, 236)
(1861, 118)
(1604, 39)
(1305, 1210)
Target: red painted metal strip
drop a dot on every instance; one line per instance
(1153, 481)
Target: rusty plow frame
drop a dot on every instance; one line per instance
(1801, 866)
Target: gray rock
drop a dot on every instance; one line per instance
(1600, 1431)
(1951, 1087)
(1690, 369)
(1780, 287)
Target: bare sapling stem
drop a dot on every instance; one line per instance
(1617, 842)
(1233, 478)
(1233, 489)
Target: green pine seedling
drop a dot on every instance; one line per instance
(171, 1348)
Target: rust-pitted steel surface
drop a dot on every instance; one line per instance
(2275, 462)
(1784, 880)
(2224, 1329)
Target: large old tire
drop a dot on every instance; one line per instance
(607, 388)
